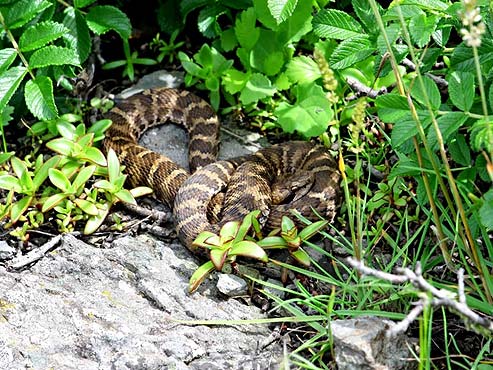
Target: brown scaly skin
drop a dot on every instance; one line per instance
(302, 175)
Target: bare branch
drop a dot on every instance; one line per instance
(440, 297)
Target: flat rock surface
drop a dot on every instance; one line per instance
(83, 307)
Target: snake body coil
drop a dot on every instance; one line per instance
(293, 175)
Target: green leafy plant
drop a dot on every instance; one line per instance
(245, 239)
(207, 65)
(64, 184)
(131, 59)
(47, 45)
(168, 49)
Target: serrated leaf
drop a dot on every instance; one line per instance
(246, 32)
(391, 107)
(18, 13)
(38, 94)
(53, 56)
(103, 18)
(430, 94)
(421, 27)
(7, 56)
(448, 124)
(365, 14)
(310, 115)
(335, 24)
(303, 69)
(264, 15)
(40, 35)
(257, 87)
(9, 83)
(460, 151)
(350, 52)
(78, 36)
(461, 89)
(463, 58)
(406, 127)
(297, 25)
(228, 40)
(281, 9)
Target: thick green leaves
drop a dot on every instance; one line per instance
(448, 124)
(310, 115)
(246, 32)
(267, 56)
(38, 94)
(257, 87)
(7, 56)
(78, 35)
(430, 94)
(17, 13)
(9, 82)
(303, 69)
(335, 24)
(281, 9)
(53, 56)
(351, 51)
(393, 108)
(461, 89)
(103, 18)
(421, 27)
(463, 58)
(40, 35)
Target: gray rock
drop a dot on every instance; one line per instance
(273, 291)
(231, 285)
(6, 251)
(83, 307)
(361, 344)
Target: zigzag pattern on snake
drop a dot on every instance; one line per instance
(293, 175)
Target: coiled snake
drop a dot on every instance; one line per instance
(293, 175)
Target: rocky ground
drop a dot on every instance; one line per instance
(124, 304)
